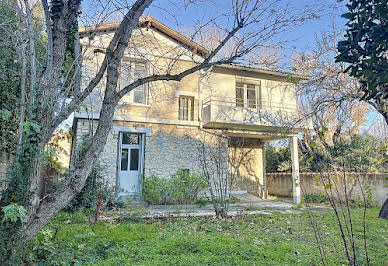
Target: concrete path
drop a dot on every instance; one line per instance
(158, 212)
(246, 204)
(245, 197)
(263, 207)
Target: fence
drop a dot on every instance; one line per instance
(280, 184)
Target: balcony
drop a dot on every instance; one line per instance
(223, 112)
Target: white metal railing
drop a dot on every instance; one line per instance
(265, 113)
(260, 105)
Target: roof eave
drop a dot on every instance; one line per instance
(266, 72)
(149, 21)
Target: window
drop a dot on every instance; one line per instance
(124, 160)
(131, 71)
(239, 94)
(131, 139)
(186, 108)
(134, 163)
(251, 96)
(139, 93)
(246, 95)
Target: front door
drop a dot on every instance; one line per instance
(129, 164)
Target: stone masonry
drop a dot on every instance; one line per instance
(108, 158)
(167, 150)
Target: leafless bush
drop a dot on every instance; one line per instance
(335, 183)
(220, 158)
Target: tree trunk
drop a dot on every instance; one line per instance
(384, 210)
(56, 201)
(381, 107)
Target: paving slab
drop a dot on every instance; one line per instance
(246, 204)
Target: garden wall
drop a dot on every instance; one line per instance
(280, 184)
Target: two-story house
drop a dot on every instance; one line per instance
(157, 127)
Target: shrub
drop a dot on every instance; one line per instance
(315, 198)
(182, 187)
(156, 190)
(95, 188)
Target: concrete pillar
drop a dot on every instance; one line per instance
(265, 190)
(295, 169)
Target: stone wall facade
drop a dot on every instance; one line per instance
(166, 153)
(108, 158)
(167, 149)
(280, 184)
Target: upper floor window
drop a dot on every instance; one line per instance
(130, 72)
(186, 108)
(246, 95)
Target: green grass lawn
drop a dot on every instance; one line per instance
(278, 239)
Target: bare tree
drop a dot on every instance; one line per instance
(331, 96)
(254, 23)
(337, 184)
(221, 158)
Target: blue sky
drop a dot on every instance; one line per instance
(301, 38)
(180, 16)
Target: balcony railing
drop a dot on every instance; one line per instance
(273, 114)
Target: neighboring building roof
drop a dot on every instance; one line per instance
(150, 21)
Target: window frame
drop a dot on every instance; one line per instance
(130, 97)
(190, 108)
(245, 101)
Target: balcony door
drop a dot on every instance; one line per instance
(129, 164)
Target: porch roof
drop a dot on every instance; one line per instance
(264, 133)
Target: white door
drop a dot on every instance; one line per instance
(130, 164)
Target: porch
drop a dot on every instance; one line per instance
(251, 125)
(247, 163)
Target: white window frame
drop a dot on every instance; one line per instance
(190, 108)
(130, 98)
(257, 86)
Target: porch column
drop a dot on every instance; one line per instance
(295, 169)
(265, 191)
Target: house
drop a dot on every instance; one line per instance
(158, 126)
